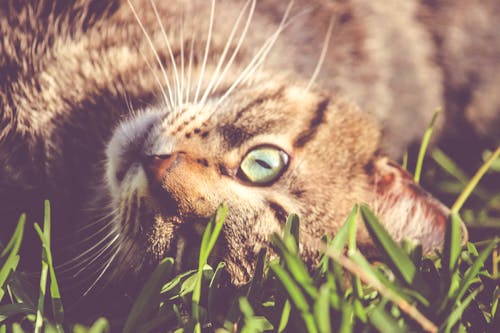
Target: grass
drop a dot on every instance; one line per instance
(454, 291)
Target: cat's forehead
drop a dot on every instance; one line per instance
(270, 110)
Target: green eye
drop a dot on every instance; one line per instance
(263, 165)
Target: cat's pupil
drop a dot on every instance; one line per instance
(263, 164)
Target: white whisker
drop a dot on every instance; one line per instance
(259, 56)
(103, 271)
(322, 56)
(98, 221)
(207, 49)
(182, 61)
(283, 25)
(157, 79)
(89, 250)
(98, 232)
(224, 53)
(97, 256)
(165, 76)
(190, 69)
(238, 46)
(177, 96)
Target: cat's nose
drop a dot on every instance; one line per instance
(157, 166)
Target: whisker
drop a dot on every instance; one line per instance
(98, 221)
(96, 233)
(190, 68)
(165, 76)
(97, 256)
(181, 93)
(238, 46)
(157, 79)
(128, 101)
(283, 25)
(322, 56)
(89, 250)
(224, 52)
(106, 267)
(177, 96)
(207, 48)
(259, 56)
(258, 66)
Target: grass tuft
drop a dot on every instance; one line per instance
(457, 290)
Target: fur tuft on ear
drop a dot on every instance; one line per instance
(407, 210)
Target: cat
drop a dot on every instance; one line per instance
(138, 119)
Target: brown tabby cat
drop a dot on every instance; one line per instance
(138, 119)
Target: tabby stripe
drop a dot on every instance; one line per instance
(223, 170)
(279, 212)
(258, 101)
(318, 119)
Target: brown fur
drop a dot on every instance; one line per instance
(71, 73)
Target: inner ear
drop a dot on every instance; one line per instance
(406, 209)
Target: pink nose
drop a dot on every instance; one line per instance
(157, 166)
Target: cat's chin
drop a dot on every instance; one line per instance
(168, 236)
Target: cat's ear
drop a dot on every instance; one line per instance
(407, 210)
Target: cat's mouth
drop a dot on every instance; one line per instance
(171, 236)
(187, 247)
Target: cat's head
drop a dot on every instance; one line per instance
(267, 150)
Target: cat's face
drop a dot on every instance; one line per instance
(270, 149)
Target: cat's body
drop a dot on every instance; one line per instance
(71, 73)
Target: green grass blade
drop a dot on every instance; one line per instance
(357, 288)
(220, 217)
(149, 298)
(342, 234)
(9, 266)
(285, 316)
(449, 165)
(296, 296)
(176, 287)
(473, 270)
(375, 275)
(11, 252)
(395, 256)
(384, 322)
(252, 323)
(404, 163)
(55, 294)
(9, 310)
(101, 325)
(41, 297)
(322, 310)
(16, 328)
(291, 234)
(451, 252)
(208, 241)
(338, 243)
(457, 313)
(16, 239)
(423, 147)
(352, 225)
(474, 181)
(295, 265)
(347, 320)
